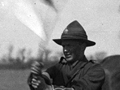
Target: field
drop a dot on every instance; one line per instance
(14, 79)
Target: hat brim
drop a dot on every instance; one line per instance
(88, 42)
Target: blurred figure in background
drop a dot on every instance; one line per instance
(74, 71)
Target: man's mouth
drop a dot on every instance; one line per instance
(68, 56)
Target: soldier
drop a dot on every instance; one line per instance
(73, 71)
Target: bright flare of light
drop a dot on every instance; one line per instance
(38, 16)
(25, 13)
(4, 3)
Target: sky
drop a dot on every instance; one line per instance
(100, 19)
(32, 24)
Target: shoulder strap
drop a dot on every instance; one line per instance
(74, 75)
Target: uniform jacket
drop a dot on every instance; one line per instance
(82, 75)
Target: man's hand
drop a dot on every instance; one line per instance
(37, 68)
(37, 83)
(35, 80)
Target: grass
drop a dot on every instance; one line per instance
(14, 79)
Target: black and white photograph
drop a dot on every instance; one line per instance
(59, 44)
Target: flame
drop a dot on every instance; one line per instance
(39, 16)
(25, 13)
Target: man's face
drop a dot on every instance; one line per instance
(73, 49)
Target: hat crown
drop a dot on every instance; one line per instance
(74, 31)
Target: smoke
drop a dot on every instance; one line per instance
(37, 16)
(50, 3)
(25, 13)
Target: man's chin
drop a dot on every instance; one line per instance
(69, 59)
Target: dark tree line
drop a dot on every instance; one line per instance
(20, 61)
(9, 62)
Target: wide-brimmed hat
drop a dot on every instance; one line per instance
(74, 31)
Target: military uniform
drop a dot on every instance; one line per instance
(82, 75)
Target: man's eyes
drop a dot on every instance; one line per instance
(68, 45)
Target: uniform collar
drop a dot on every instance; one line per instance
(80, 62)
